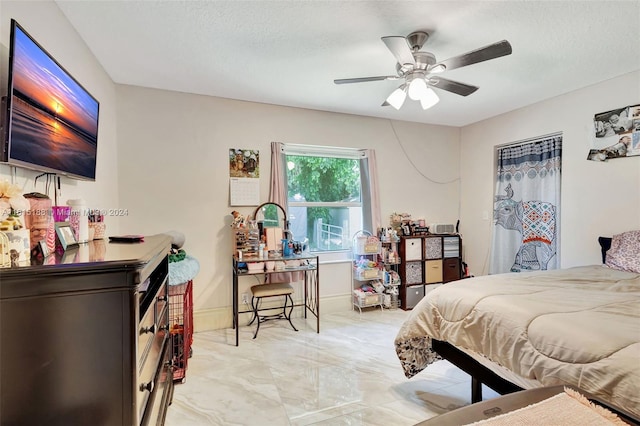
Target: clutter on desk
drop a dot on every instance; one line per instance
(253, 240)
(15, 245)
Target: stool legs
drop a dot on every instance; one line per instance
(255, 311)
(256, 315)
(288, 317)
(255, 302)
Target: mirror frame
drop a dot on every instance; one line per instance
(261, 206)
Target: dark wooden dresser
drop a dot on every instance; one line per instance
(84, 337)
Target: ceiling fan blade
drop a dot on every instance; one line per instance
(452, 86)
(400, 48)
(495, 50)
(365, 79)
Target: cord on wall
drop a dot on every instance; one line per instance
(414, 165)
(425, 176)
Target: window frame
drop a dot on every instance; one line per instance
(332, 152)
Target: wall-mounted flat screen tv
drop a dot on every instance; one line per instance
(52, 121)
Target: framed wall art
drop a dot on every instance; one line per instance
(616, 134)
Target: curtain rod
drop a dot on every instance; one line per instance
(523, 141)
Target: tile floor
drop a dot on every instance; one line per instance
(346, 375)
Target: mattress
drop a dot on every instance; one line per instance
(578, 326)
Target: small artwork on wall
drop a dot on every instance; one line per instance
(244, 163)
(616, 134)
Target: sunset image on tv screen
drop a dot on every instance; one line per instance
(54, 120)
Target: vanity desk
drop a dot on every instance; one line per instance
(84, 336)
(308, 271)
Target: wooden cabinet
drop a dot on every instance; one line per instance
(84, 338)
(426, 261)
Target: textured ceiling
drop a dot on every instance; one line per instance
(289, 52)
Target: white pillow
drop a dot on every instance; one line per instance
(624, 253)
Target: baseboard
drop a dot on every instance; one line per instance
(219, 318)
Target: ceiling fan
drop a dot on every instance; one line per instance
(420, 70)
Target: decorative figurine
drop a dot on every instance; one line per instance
(238, 220)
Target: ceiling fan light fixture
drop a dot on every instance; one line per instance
(397, 97)
(429, 98)
(417, 88)
(438, 68)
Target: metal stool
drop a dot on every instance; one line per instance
(260, 291)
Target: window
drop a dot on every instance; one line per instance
(325, 195)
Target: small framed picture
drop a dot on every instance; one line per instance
(44, 248)
(40, 250)
(65, 235)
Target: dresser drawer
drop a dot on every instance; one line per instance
(160, 397)
(412, 249)
(146, 332)
(148, 368)
(161, 301)
(433, 271)
(155, 319)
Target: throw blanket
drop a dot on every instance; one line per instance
(184, 270)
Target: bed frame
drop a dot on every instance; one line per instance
(479, 373)
(482, 375)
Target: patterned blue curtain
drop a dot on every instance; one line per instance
(526, 207)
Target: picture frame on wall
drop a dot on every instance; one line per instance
(616, 134)
(65, 235)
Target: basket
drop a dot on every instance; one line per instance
(181, 326)
(362, 299)
(367, 274)
(367, 245)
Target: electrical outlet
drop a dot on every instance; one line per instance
(245, 298)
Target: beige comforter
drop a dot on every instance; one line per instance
(578, 326)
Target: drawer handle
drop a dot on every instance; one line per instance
(146, 387)
(145, 330)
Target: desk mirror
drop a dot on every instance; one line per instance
(271, 215)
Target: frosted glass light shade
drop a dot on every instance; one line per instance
(416, 88)
(397, 97)
(429, 98)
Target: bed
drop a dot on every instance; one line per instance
(577, 326)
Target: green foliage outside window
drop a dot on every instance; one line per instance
(322, 180)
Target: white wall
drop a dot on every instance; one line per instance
(173, 168)
(44, 21)
(598, 198)
(163, 157)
